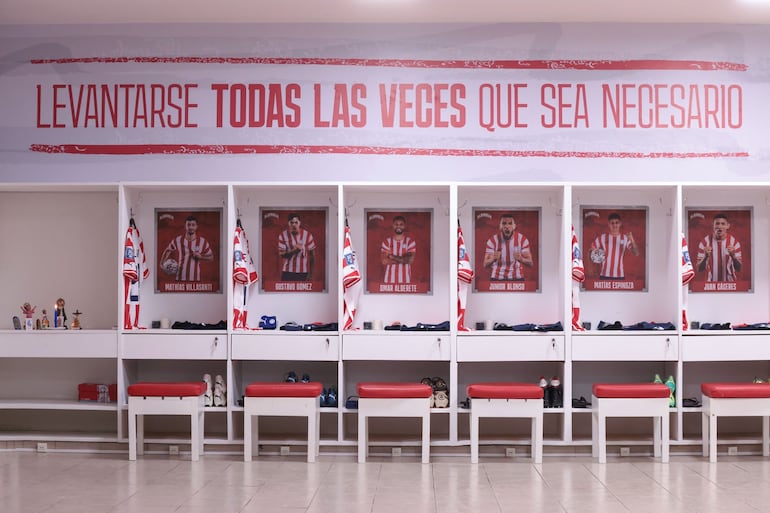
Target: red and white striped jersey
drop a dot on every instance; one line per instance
(182, 250)
(720, 265)
(398, 273)
(300, 262)
(614, 247)
(506, 268)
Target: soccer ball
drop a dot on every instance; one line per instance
(597, 256)
(170, 267)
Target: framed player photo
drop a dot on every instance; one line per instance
(506, 249)
(189, 250)
(398, 251)
(719, 242)
(614, 245)
(293, 254)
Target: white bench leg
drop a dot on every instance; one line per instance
(363, 435)
(426, 438)
(132, 436)
(594, 433)
(665, 423)
(602, 438)
(247, 427)
(474, 437)
(704, 426)
(312, 438)
(195, 436)
(537, 438)
(656, 436)
(765, 436)
(140, 434)
(712, 438)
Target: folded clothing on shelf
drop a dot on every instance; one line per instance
(653, 326)
(609, 326)
(98, 392)
(187, 325)
(556, 326)
(420, 326)
(715, 326)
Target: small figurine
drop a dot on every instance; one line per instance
(28, 311)
(76, 321)
(44, 322)
(59, 315)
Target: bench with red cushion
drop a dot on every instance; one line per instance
(631, 390)
(165, 398)
(733, 400)
(176, 389)
(270, 389)
(630, 400)
(393, 399)
(507, 400)
(504, 391)
(281, 399)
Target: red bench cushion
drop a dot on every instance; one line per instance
(504, 391)
(735, 390)
(281, 389)
(167, 389)
(631, 390)
(394, 390)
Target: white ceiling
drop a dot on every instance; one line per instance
(486, 11)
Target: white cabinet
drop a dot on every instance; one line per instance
(703, 346)
(178, 345)
(625, 346)
(396, 346)
(285, 347)
(493, 347)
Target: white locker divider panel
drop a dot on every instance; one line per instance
(495, 347)
(397, 346)
(175, 346)
(59, 344)
(626, 347)
(289, 346)
(706, 347)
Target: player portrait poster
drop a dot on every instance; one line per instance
(719, 242)
(506, 249)
(188, 249)
(293, 249)
(615, 248)
(398, 251)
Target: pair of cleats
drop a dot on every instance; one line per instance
(671, 384)
(553, 392)
(440, 397)
(291, 377)
(328, 397)
(216, 391)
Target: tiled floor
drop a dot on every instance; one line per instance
(84, 483)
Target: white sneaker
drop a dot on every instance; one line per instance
(208, 396)
(220, 391)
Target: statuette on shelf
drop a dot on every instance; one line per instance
(59, 315)
(76, 321)
(28, 310)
